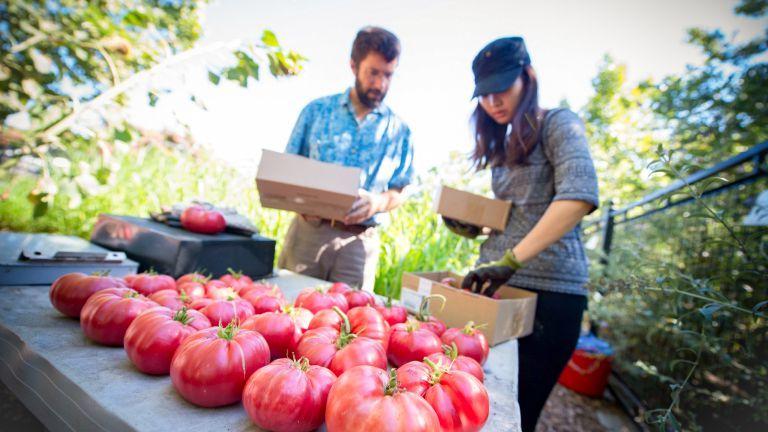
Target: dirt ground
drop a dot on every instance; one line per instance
(567, 411)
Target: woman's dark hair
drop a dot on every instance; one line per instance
(492, 146)
(375, 39)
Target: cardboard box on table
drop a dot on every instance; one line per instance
(471, 208)
(302, 185)
(510, 316)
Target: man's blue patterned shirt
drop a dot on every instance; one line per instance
(380, 144)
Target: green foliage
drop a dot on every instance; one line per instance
(63, 59)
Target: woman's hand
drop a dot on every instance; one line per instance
(494, 275)
(461, 228)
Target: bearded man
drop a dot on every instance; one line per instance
(355, 129)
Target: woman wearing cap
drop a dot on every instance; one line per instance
(540, 161)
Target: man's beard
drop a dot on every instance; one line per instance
(369, 98)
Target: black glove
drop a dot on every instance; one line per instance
(492, 276)
(461, 228)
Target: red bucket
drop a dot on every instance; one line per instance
(586, 373)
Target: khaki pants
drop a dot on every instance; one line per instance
(319, 250)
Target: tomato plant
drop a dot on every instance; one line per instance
(451, 359)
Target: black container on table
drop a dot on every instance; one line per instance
(175, 251)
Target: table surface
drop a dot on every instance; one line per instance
(70, 383)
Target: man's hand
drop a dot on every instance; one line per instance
(461, 228)
(366, 205)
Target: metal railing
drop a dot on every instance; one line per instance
(612, 216)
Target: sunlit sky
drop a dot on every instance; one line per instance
(432, 86)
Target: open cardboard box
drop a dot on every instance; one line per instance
(510, 316)
(303, 185)
(471, 208)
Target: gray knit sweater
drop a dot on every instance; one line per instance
(559, 168)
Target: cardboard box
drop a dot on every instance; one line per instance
(508, 317)
(303, 185)
(470, 208)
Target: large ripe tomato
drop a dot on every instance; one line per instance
(340, 350)
(219, 290)
(459, 399)
(69, 292)
(211, 366)
(197, 219)
(470, 341)
(428, 321)
(367, 398)
(237, 280)
(193, 277)
(356, 298)
(364, 321)
(409, 342)
(317, 299)
(339, 287)
(148, 283)
(451, 359)
(264, 301)
(301, 316)
(392, 313)
(108, 313)
(288, 395)
(280, 331)
(200, 303)
(194, 290)
(222, 312)
(154, 336)
(171, 299)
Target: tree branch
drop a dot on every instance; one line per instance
(65, 123)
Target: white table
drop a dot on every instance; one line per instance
(72, 384)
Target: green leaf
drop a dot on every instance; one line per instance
(123, 135)
(153, 98)
(214, 78)
(40, 209)
(269, 39)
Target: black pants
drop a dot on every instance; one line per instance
(546, 351)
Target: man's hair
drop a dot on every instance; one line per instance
(375, 39)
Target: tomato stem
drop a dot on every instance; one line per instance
(182, 316)
(392, 386)
(345, 330)
(229, 332)
(437, 371)
(470, 328)
(235, 274)
(452, 351)
(423, 313)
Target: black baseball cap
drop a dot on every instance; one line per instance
(498, 64)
